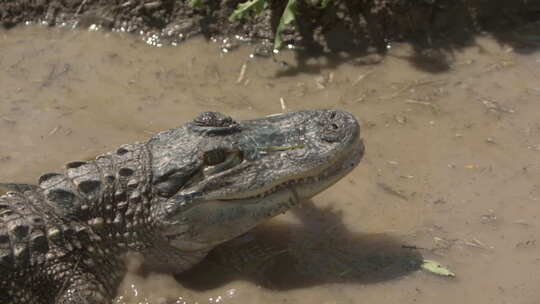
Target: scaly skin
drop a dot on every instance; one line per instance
(171, 199)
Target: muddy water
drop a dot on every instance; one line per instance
(452, 168)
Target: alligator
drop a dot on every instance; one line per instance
(171, 199)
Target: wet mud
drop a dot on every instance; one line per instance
(451, 172)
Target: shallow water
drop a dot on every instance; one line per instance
(452, 168)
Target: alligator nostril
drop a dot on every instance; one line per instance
(335, 126)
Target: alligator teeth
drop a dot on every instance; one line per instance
(289, 183)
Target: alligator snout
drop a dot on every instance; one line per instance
(339, 126)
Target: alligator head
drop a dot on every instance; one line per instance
(216, 178)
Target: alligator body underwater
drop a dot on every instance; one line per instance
(172, 199)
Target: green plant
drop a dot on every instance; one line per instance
(243, 9)
(256, 7)
(196, 3)
(286, 19)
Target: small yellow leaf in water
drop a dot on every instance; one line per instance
(471, 166)
(437, 268)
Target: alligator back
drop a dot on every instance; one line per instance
(23, 240)
(23, 245)
(55, 231)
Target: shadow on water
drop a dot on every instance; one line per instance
(435, 56)
(436, 32)
(316, 251)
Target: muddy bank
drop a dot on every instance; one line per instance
(342, 26)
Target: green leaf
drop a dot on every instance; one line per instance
(320, 4)
(195, 3)
(324, 4)
(286, 19)
(257, 6)
(436, 268)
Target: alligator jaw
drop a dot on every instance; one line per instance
(220, 220)
(310, 184)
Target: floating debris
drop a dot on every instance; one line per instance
(386, 188)
(361, 77)
(476, 243)
(488, 218)
(242, 73)
(494, 106)
(434, 107)
(526, 244)
(521, 222)
(400, 119)
(436, 268)
(283, 106)
(55, 130)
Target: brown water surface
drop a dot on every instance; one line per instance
(452, 169)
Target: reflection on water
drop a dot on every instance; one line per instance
(451, 168)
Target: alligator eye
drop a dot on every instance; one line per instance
(213, 119)
(218, 160)
(215, 123)
(214, 157)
